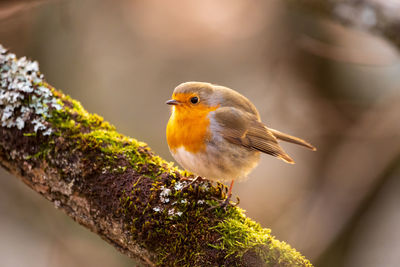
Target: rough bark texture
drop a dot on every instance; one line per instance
(379, 17)
(116, 187)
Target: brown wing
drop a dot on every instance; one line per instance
(245, 129)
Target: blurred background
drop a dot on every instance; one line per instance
(333, 86)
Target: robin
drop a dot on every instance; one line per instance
(216, 133)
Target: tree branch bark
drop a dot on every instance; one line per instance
(379, 17)
(116, 187)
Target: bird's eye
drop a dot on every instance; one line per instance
(194, 100)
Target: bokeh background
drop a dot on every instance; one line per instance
(335, 87)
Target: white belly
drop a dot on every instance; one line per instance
(193, 162)
(214, 165)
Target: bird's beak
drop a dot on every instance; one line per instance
(172, 102)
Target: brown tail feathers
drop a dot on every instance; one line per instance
(291, 139)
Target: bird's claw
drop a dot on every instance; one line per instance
(224, 203)
(192, 181)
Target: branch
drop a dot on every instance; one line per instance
(116, 187)
(380, 17)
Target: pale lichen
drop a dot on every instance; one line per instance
(23, 98)
(179, 185)
(165, 192)
(157, 209)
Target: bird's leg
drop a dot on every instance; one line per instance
(227, 202)
(230, 191)
(229, 195)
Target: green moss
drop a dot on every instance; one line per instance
(278, 252)
(73, 116)
(239, 234)
(178, 221)
(29, 134)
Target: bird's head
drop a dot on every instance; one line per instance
(193, 97)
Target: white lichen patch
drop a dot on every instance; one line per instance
(179, 213)
(157, 209)
(205, 186)
(179, 185)
(165, 192)
(23, 98)
(57, 204)
(172, 213)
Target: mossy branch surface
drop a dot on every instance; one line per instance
(117, 187)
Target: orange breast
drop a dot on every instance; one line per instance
(189, 128)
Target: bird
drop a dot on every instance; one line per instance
(217, 133)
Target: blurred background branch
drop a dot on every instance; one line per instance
(9, 8)
(381, 17)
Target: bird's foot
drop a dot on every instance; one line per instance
(197, 178)
(192, 181)
(225, 203)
